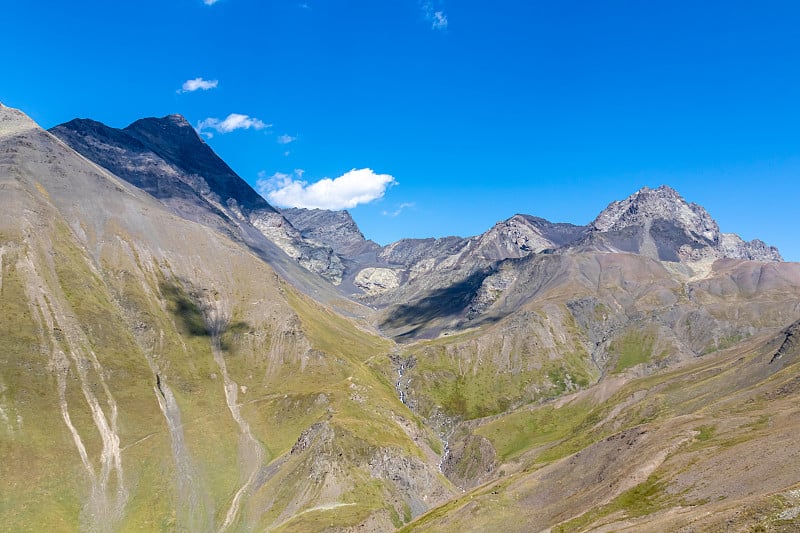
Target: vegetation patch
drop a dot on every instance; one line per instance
(469, 382)
(643, 499)
(634, 348)
(518, 432)
(705, 432)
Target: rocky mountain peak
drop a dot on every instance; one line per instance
(168, 159)
(176, 141)
(177, 119)
(660, 224)
(174, 124)
(13, 121)
(664, 203)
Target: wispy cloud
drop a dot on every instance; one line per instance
(234, 121)
(434, 14)
(198, 84)
(286, 139)
(400, 209)
(439, 20)
(210, 2)
(359, 186)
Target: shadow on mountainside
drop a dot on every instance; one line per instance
(192, 317)
(426, 317)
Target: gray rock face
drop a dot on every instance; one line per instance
(521, 235)
(649, 204)
(166, 158)
(377, 280)
(455, 283)
(336, 229)
(174, 140)
(660, 224)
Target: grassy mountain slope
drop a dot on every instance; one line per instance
(560, 322)
(157, 375)
(708, 445)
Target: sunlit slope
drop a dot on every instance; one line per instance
(711, 445)
(155, 375)
(559, 323)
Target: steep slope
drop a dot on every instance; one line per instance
(174, 140)
(157, 375)
(168, 159)
(707, 446)
(557, 323)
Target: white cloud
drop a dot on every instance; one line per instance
(286, 139)
(436, 17)
(234, 121)
(210, 2)
(359, 186)
(198, 83)
(439, 21)
(400, 209)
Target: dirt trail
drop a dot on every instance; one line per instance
(326, 507)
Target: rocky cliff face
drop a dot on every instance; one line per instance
(522, 235)
(660, 224)
(175, 141)
(336, 229)
(167, 158)
(464, 278)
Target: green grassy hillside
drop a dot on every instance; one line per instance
(158, 376)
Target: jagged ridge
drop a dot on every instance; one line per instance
(167, 158)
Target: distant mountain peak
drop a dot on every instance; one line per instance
(171, 124)
(664, 202)
(177, 118)
(661, 224)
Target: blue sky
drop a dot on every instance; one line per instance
(464, 112)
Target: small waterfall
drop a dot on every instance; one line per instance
(445, 454)
(401, 386)
(398, 386)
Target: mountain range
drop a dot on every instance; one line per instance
(178, 354)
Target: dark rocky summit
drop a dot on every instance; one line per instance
(174, 140)
(168, 159)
